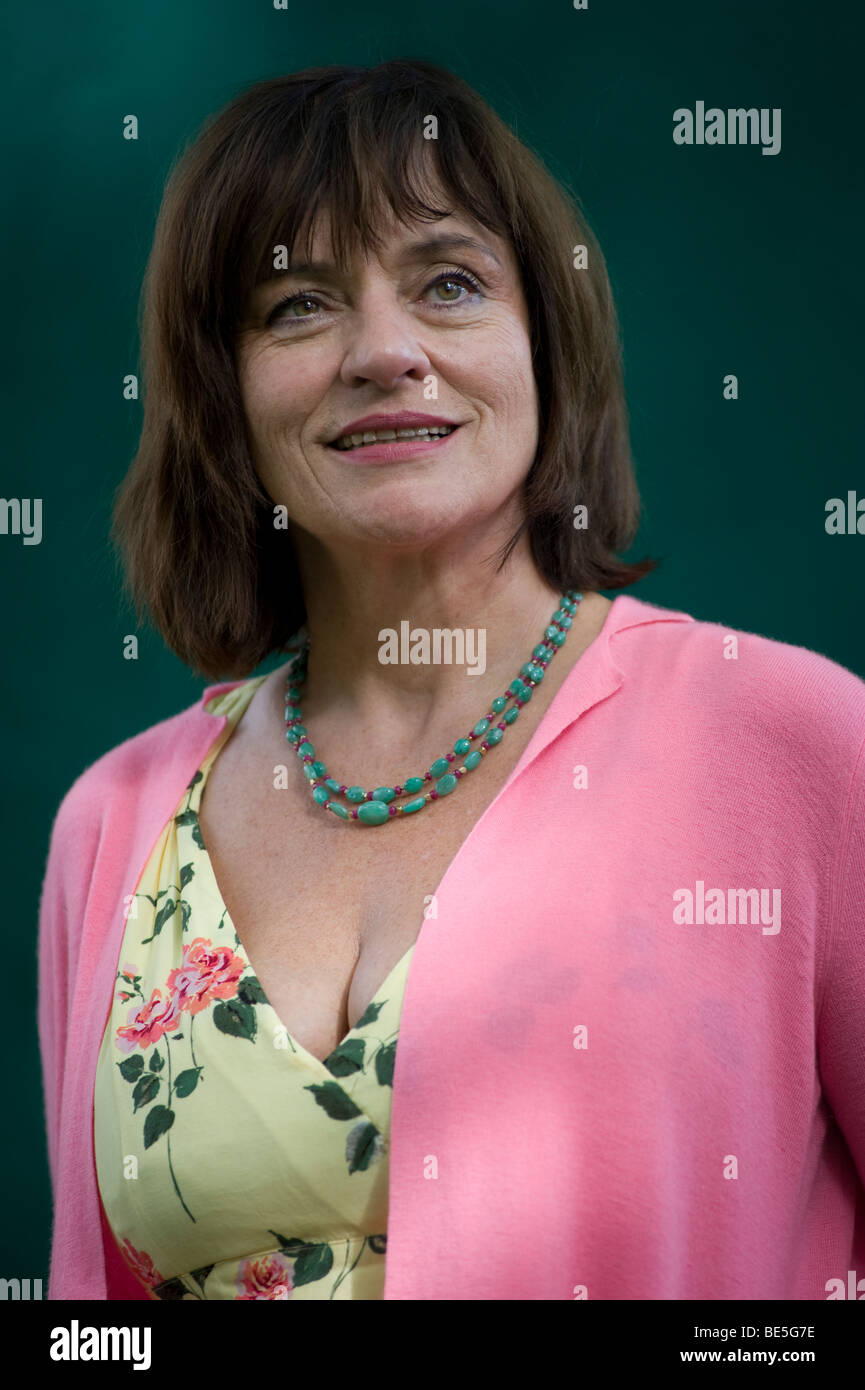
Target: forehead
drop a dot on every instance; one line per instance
(407, 238)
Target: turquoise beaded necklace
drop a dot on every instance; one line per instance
(376, 807)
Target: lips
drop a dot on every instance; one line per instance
(370, 429)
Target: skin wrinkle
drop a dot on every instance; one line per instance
(416, 540)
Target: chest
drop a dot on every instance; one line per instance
(326, 910)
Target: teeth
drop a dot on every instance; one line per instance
(351, 441)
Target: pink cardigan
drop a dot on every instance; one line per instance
(599, 1091)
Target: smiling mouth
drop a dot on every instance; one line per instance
(347, 442)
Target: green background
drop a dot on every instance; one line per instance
(722, 260)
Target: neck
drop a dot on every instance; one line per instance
(352, 677)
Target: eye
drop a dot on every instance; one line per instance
(454, 280)
(303, 299)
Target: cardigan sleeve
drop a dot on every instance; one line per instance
(840, 1031)
(55, 978)
(71, 855)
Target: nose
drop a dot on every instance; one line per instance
(382, 342)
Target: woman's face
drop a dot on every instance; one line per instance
(435, 324)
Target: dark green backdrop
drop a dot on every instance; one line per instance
(722, 260)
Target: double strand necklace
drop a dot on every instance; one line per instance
(376, 807)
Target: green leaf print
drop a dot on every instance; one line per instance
(200, 1275)
(250, 991)
(145, 1091)
(235, 1018)
(168, 909)
(131, 1068)
(370, 1013)
(197, 778)
(187, 872)
(187, 1081)
(334, 1101)
(159, 1120)
(311, 1262)
(157, 1062)
(346, 1059)
(190, 818)
(173, 1290)
(362, 1147)
(384, 1064)
(314, 1262)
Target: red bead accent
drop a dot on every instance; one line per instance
(354, 815)
(397, 790)
(450, 757)
(392, 810)
(485, 745)
(309, 758)
(459, 772)
(324, 805)
(433, 796)
(368, 796)
(503, 727)
(343, 789)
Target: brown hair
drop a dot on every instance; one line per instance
(191, 520)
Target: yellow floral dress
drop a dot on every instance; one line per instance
(232, 1164)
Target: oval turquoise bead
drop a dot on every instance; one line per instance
(525, 694)
(338, 810)
(309, 772)
(512, 714)
(412, 784)
(481, 727)
(473, 759)
(416, 805)
(383, 794)
(498, 704)
(446, 784)
(373, 813)
(333, 784)
(462, 745)
(558, 637)
(297, 734)
(495, 736)
(356, 793)
(319, 769)
(292, 711)
(440, 766)
(305, 749)
(321, 794)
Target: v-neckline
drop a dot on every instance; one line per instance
(527, 755)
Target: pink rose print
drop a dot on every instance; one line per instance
(141, 1264)
(270, 1276)
(147, 1022)
(208, 972)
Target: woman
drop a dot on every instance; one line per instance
(384, 417)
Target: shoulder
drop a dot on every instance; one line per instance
(741, 687)
(157, 756)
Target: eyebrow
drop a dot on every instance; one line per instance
(416, 251)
